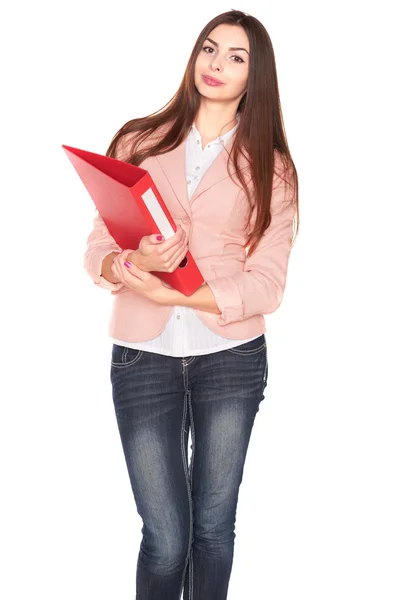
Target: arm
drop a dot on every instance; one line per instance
(101, 250)
(258, 289)
(202, 299)
(106, 268)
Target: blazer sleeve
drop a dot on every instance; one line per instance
(100, 242)
(258, 289)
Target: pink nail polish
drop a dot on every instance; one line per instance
(160, 238)
(127, 264)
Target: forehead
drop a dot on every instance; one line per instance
(230, 35)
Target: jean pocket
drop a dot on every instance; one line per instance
(250, 348)
(123, 356)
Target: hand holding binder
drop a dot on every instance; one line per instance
(131, 207)
(163, 255)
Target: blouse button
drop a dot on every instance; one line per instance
(197, 168)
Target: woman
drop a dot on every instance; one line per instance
(219, 158)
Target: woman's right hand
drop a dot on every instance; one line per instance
(163, 256)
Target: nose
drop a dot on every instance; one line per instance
(215, 65)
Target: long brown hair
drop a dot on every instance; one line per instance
(260, 135)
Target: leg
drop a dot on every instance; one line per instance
(151, 410)
(226, 390)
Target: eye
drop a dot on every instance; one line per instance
(206, 48)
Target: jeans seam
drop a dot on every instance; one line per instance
(188, 482)
(191, 593)
(191, 359)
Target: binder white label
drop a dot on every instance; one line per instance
(158, 214)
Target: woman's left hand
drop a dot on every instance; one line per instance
(142, 282)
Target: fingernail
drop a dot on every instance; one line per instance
(160, 238)
(127, 264)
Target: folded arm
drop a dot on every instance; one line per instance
(99, 244)
(258, 289)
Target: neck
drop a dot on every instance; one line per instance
(214, 119)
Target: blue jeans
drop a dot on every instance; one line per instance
(188, 512)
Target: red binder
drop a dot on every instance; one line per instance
(131, 207)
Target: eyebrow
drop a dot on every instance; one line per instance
(216, 44)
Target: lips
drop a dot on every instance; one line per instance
(211, 80)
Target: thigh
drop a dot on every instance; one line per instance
(227, 388)
(149, 401)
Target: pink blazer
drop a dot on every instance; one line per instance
(245, 288)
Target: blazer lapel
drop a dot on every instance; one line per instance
(173, 164)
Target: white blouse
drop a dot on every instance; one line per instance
(185, 334)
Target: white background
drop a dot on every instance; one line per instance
(318, 514)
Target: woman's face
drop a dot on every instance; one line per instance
(217, 59)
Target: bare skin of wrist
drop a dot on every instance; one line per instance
(136, 258)
(106, 267)
(106, 272)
